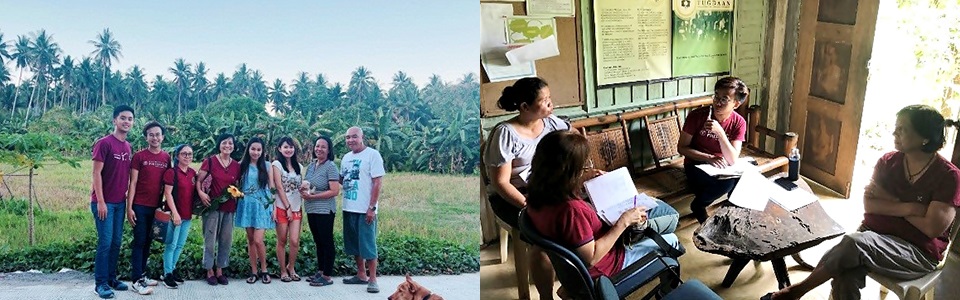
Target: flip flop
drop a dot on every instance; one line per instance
(294, 277)
(354, 280)
(319, 281)
(265, 277)
(253, 278)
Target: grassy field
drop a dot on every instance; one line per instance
(440, 207)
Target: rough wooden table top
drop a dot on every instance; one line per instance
(744, 233)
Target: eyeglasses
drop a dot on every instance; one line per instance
(186, 154)
(722, 100)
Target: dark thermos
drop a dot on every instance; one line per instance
(794, 165)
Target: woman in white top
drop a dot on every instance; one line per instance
(508, 154)
(287, 179)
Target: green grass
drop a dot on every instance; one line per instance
(437, 207)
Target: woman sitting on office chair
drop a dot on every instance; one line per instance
(908, 208)
(559, 214)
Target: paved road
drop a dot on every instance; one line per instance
(75, 285)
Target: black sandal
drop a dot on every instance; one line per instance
(253, 278)
(265, 277)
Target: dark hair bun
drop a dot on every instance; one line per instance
(525, 90)
(508, 100)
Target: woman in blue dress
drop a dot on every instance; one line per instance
(253, 210)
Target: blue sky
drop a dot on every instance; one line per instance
(332, 37)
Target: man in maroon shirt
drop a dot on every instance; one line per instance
(111, 174)
(143, 198)
(909, 206)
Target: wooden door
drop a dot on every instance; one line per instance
(834, 45)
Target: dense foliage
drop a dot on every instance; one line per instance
(433, 128)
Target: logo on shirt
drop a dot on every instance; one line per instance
(121, 156)
(351, 179)
(709, 134)
(153, 163)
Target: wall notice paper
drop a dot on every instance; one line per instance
(702, 36)
(559, 8)
(754, 190)
(632, 40)
(537, 50)
(522, 30)
(493, 45)
(614, 193)
(742, 165)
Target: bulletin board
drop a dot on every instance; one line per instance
(563, 73)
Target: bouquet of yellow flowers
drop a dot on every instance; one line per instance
(231, 192)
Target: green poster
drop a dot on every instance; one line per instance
(702, 36)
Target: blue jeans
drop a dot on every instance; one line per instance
(663, 218)
(176, 238)
(637, 251)
(109, 236)
(142, 239)
(706, 189)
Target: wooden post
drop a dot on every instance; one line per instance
(30, 208)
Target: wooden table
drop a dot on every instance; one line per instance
(744, 234)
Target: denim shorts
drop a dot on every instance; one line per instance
(359, 238)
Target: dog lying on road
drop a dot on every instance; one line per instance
(411, 290)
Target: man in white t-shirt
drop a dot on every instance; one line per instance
(361, 173)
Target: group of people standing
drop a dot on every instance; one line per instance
(274, 196)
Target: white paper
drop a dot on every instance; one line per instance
(754, 190)
(611, 214)
(742, 165)
(537, 50)
(613, 193)
(524, 174)
(750, 191)
(791, 200)
(493, 44)
(560, 8)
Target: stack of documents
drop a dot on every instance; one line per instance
(742, 165)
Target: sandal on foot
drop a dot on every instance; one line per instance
(265, 277)
(354, 280)
(253, 278)
(285, 278)
(320, 281)
(294, 277)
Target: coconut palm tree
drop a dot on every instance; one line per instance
(23, 58)
(362, 88)
(404, 99)
(200, 84)
(220, 86)
(46, 54)
(136, 86)
(67, 74)
(107, 50)
(4, 54)
(258, 87)
(278, 97)
(181, 76)
(241, 81)
(87, 78)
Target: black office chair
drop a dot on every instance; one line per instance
(575, 277)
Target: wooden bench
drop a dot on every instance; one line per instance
(651, 154)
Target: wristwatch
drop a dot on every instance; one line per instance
(372, 208)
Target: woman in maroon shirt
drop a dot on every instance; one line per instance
(558, 213)
(909, 206)
(713, 135)
(178, 186)
(218, 225)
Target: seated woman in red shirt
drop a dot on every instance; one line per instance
(909, 206)
(713, 135)
(558, 213)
